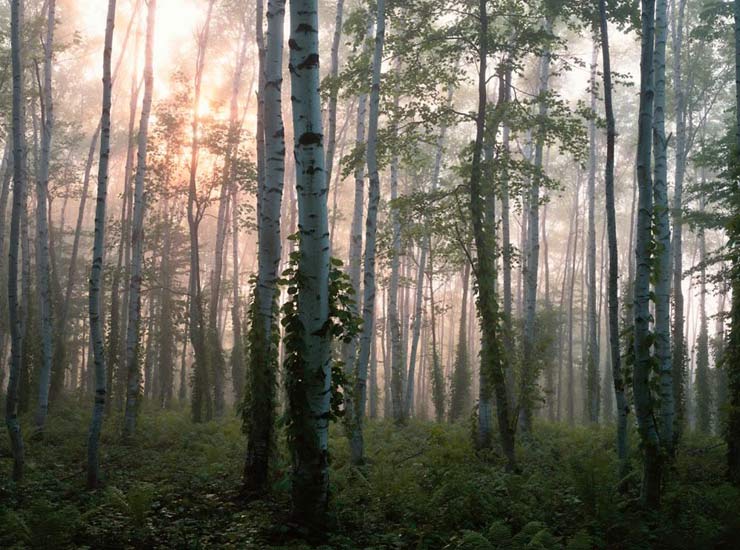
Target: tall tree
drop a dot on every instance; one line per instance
(679, 346)
(19, 182)
(349, 349)
(398, 361)
(613, 282)
(201, 403)
(263, 353)
(661, 213)
(702, 382)
(96, 273)
(371, 223)
(592, 358)
(646, 422)
(310, 375)
(42, 220)
(137, 233)
(531, 264)
(732, 355)
(485, 267)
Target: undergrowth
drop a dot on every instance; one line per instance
(424, 487)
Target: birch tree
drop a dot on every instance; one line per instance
(592, 364)
(613, 282)
(679, 345)
(137, 233)
(733, 345)
(368, 282)
(263, 354)
(529, 372)
(309, 390)
(42, 221)
(201, 403)
(19, 181)
(485, 262)
(662, 231)
(644, 404)
(95, 301)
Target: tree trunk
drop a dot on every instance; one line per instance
(263, 357)
(309, 379)
(42, 222)
(528, 386)
(679, 345)
(19, 182)
(570, 398)
(201, 403)
(368, 302)
(643, 361)
(592, 358)
(96, 274)
(237, 352)
(613, 285)
(662, 233)
(460, 388)
(349, 349)
(398, 362)
(485, 265)
(733, 346)
(137, 234)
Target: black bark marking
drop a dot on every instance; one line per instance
(311, 62)
(310, 138)
(306, 28)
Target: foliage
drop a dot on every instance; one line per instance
(424, 487)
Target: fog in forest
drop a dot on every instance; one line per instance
(435, 274)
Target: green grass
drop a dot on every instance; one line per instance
(177, 486)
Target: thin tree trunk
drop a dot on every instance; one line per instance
(349, 349)
(733, 346)
(19, 182)
(237, 352)
(201, 403)
(661, 213)
(613, 285)
(331, 143)
(529, 371)
(259, 424)
(137, 234)
(397, 357)
(570, 408)
(485, 272)
(643, 362)
(42, 221)
(592, 356)
(96, 274)
(679, 345)
(368, 302)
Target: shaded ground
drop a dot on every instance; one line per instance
(177, 486)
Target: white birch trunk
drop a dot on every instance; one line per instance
(42, 222)
(592, 350)
(310, 397)
(642, 339)
(529, 382)
(19, 182)
(662, 233)
(137, 233)
(368, 302)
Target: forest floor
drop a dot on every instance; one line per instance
(177, 486)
